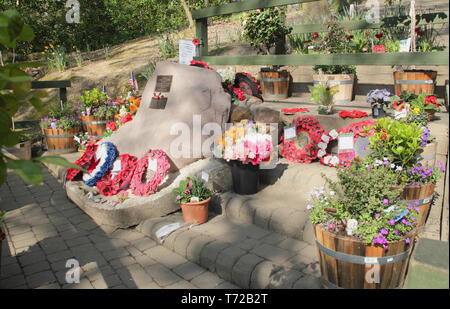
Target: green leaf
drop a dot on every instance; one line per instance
(2, 170)
(59, 161)
(27, 170)
(11, 139)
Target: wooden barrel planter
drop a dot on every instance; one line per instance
(348, 263)
(420, 195)
(430, 115)
(415, 81)
(95, 127)
(429, 154)
(345, 83)
(21, 151)
(61, 141)
(275, 85)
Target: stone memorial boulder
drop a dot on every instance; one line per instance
(191, 95)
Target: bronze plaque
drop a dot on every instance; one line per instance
(163, 83)
(158, 103)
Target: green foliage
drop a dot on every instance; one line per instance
(323, 94)
(148, 70)
(264, 28)
(106, 111)
(13, 30)
(189, 188)
(56, 58)
(168, 47)
(93, 98)
(398, 141)
(367, 194)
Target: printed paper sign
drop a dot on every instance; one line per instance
(405, 45)
(153, 165)
(290, 133)
(346, 142)
(187, 51)
(362, 147)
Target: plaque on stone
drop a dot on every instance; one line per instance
(163, 83)
(158, 103)
(362, 147)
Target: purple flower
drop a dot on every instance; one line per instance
(187, 192)
(407, 240)
(396, 232)
(178, 197)
(384, 231)
(385, 247)
(385, 201)
(404, 221)
(377, 215)
(392, 222)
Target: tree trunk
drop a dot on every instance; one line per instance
(185, 5)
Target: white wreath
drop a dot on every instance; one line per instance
(325, 157)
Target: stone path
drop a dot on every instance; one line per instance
(44, 230)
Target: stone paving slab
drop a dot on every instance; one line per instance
(259, 259)
(40, 242)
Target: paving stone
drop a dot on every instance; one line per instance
(284, 278)
(226, 260)
(22, 237)
(273, 238)
(262, 217)
(36, 267)
(169, 242)
(50, 286)
(233, 206)
(99, 284)
(133, 251)
(143, 244)
(88, 225)
(41, 278)
(247, 213)
(111, 244)
(29, 258)
(227, 286)
(84, 284)
(53, 245)
(25, 243)
(253, 231)
(145, 260)
(312, 269)
(128, 235)
(249, 244)
(307, 282)
(261, 275)
(10, 270)
(210, 252)
(309, 252)
(189, 270)
(273, 253)
(122, 261)
(292, 244)
(83, 240)
(162, 275)
(181, 285)
(297, 262)
(58, 256)
(182, 242)
(113, 281)
(115, 253)
(165, 257)
(196, 245)
(7, 260)
(242, 270)
(12, 282)
(140, 277)
(207, 280)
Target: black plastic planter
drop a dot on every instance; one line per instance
(245, 178)
(378, 112)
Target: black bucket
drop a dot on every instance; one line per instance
(245, 177)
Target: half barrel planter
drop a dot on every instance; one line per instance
(420, 195)
(348, 263)
(415, 81)
(94, 126)
(344, 82)
(429, 154)
(61, 141)
(275, 85)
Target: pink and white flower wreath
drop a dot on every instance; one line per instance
(325, 157)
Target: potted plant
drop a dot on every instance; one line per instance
(334, 42)
(417, 103)
(377, 99)
(265, 29)
(378, 45)
(323, 94)
(362, 229)
(400, 144)
(59, 129)
(245, 145)
(82, 140)
(96, 110)
(193, 197)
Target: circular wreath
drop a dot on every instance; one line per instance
(352, 114)
(120, 176)
(248, 84)
(325, 157)
(359, 130)
(102, 162)
(307, 153)
(149, 187)
(84, 161)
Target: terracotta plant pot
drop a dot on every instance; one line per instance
(420, 196)
(346, 262)
(61, 141)
(431, 114)
(195, 212)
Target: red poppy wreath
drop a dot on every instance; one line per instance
(304, 148)
(84, 161)
(352, 114)
(119, 178)
(359, 130)
(159, 164)
(324, 156)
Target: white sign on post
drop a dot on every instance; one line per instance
(346, 142)
(405, 45)
(187, 51)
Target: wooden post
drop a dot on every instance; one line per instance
(63, 95)
(201, 31)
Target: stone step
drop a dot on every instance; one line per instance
(281, 205)
(244, 254)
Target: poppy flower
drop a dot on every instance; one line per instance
(111, 126)
(128, 117)
(350, 36)
(379, 35)
(315, 35)
(308, 41)
(196, 42)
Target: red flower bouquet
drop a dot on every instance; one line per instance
(352, 114)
